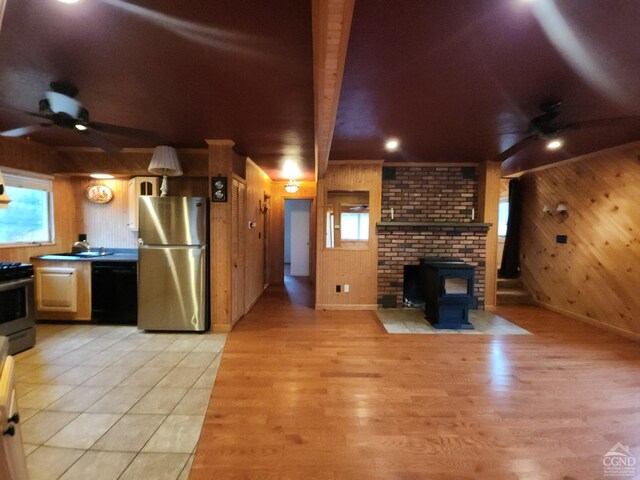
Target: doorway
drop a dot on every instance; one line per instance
(297, 223)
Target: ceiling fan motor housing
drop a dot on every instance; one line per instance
(60, 103)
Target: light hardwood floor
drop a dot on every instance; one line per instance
(304, 394)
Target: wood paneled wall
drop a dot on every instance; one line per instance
(106, 225)
(35, 157)
(595, 276)
(488, 200)
(129, 161)
(258, 184)
(357, 268)
(26, 155)
(189, 186)
(276, 228)
(221, 159)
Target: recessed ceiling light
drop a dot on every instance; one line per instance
(291, 170)
(81, 127)
(554, 144)
(101, 176)
(69, 1)
(392, 145)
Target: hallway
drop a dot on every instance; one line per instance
(305, 394)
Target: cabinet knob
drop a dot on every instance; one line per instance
(11, 430)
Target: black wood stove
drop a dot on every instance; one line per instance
(448, 291)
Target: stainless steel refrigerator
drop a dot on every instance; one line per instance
(172, 266)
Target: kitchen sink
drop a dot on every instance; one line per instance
(84, 254)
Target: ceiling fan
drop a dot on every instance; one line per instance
(61, 109)
(359, 208)
(545, 127)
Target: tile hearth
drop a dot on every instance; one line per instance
(411, 320)
(112, 402)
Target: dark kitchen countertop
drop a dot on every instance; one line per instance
(119, 255)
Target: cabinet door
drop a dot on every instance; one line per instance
(140, 187)
(238, 234)
(57, 289)
(12, 461)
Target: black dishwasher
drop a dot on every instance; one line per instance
(114, 292)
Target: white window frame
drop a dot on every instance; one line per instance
(14, 177)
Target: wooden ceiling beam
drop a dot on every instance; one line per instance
(331, 27)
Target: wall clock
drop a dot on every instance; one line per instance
(99, 194)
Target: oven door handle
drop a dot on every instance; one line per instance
(14, 284)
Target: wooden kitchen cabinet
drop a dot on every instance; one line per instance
(62, 290)
(12, 460)
(139, 187)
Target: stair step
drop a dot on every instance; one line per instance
(507, 283)
(514, 297)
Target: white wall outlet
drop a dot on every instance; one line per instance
(346, 288)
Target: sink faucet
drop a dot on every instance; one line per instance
(81, 247)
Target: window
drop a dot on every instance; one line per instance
(354, 226)
(503, 217)
(28, 218)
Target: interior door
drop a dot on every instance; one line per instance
(238, 220)
(300, 238)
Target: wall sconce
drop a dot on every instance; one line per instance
(292, 186)
(561, 211)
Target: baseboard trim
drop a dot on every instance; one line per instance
(253, 304)
(363, 306)
(591, 321)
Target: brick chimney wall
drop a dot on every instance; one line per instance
(429, 194)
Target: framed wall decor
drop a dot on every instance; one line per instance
(99, 194)
(218, 189)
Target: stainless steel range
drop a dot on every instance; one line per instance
(17, 306)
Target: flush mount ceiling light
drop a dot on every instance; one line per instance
(69, 1)
(392, 145)
(292, 186)
(165, 162)
(554, 143)
(81, 127)
(101, 176)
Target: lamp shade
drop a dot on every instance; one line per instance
(165, 162)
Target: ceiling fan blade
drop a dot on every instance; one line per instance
(22, 131)
(125, 131)
(24, 112)
(516, 147)
(101, 142)
(600, 122)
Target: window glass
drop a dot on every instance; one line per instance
(503, 217)
(27, 218)
(354, 226)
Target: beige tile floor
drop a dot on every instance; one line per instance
(112, 402)
(411, 320)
